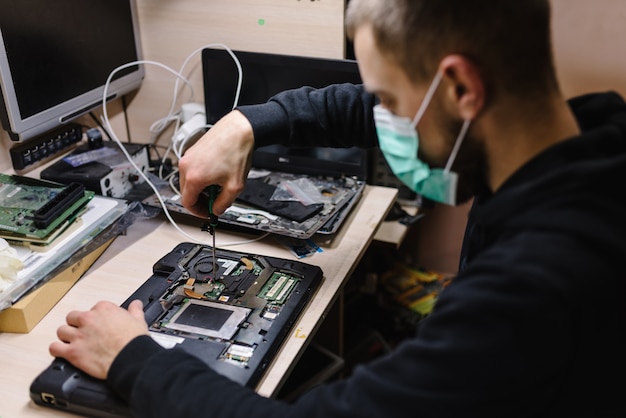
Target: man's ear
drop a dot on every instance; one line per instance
(466, 87)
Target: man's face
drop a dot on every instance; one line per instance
(383, 77)
(438, 129)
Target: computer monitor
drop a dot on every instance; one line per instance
(55, 58)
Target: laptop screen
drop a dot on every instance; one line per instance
(265, 75)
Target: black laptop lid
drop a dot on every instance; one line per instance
(265, 75)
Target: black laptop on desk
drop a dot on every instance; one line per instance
(235, 324)
(338, 174)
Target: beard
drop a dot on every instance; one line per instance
(471, 167)
(470, 163)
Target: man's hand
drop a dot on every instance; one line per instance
(92, 339)
(223, 157)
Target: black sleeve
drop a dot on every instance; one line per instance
(339, 115)
(490, 348)
(159, 382)
(476, 355)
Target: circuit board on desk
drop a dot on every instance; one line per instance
(34, 210)
(234, 319)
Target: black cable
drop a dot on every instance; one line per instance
(100, 125)
(155, 149)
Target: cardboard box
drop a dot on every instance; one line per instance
(32, 307)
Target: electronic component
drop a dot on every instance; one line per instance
(337, 197)
(104, 170)
(235, 324)
(35, 210)
(205, 318)
(237, 309)
(28, 155)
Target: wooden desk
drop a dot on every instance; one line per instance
(128, 262)
(393, 232)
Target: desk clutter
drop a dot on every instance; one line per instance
(101, 166)
(36, 212)
(44, 226)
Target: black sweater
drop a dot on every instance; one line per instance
(532, 326)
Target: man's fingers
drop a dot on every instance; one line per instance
(73, 318)
(136, 309)
(57, 349)
(224, 200)
(66, 333)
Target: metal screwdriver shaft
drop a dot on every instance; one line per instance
(213, 224)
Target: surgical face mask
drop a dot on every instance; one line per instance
(398, 141)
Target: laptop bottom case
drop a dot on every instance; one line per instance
(234, 319)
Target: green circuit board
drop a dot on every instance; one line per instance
(35, 210)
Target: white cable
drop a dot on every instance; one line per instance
(188, 130)
(111, 132)
(161, 124)
(177, 144)
(233, 56)
(107, 124)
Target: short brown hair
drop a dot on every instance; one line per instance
(509, 40)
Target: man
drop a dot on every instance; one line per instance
(533, 324)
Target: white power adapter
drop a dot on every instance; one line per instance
(193, 125)
(193, 117)
(194, 120)
(189, 110)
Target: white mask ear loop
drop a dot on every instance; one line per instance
(427, 98)
(457, 145)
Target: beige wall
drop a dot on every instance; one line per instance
(590, 45)
(173, 30)
(589, 38)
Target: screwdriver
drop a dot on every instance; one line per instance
(212, 192)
